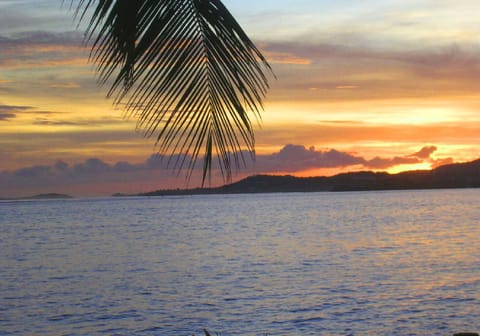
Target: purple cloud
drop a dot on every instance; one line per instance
(35, 172)
(92, 166)
(293, 158)
(6, 116)
(153, 173)
(14, 108)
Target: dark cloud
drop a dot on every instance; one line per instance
(124, 167)
(61, 166)
(35, 171)
(48, 122)
(425, 152)
(89, 168)
(293, 158)
(6, 116)
(155, 161)
(92, 166)
(290, 158)
(14, 108)
(10, 111)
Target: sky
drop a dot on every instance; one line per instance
(381, 85)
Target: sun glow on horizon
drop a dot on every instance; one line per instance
(409, 167)
(352, 169)
(368, 87)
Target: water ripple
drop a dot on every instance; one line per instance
(387, 263)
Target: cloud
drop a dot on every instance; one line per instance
(41, 38)
(48, 122)
(330, 69)
(61, 166)
(278, 57)
(90, 177)
(42, 121)
(13, 111)
(10, 111)
(3, 85)
(69, 85)
(97, 176)
(35, 172)
(155, 161)
(42, 49)
(24, 15)
(6, 116)
(124, 167)
(346, 87)
(90, 168)
(292, 158)
(425, 152)
(353, 47)
(295, 158)
(14, 108)
(18, 109)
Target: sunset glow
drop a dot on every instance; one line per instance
(371, 85)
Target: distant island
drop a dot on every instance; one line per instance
(39, 197)
(459, 175)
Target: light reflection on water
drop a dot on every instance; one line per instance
(368, 263)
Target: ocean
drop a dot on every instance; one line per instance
(353, 263)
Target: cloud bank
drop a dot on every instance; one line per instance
(10, 111)
(97, 177)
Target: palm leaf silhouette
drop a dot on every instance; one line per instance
(186, 70)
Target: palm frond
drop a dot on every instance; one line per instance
(186, 70)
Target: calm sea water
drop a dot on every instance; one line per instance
(365, 263)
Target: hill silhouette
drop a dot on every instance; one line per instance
(458, 175)
(49, 196)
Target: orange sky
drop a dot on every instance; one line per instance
(376, 82)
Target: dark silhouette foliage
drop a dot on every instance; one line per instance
(186, 70)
